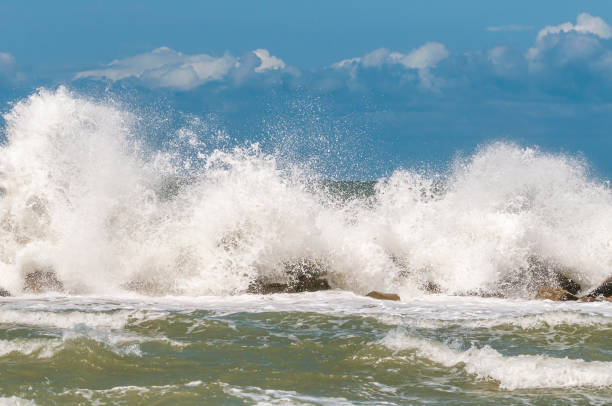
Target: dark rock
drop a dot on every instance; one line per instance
(307, 283)
(554, 294)
(304, 285)
(267, 288)
(567, 284)
(383, 296)
(303, 275)
(605, 289)
(41, 281)
(539, 273)
(4, 293)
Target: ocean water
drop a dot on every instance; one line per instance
(155, 248)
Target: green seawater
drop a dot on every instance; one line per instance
(325, 348)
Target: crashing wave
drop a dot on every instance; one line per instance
(87, 207)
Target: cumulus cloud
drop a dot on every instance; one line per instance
(268, 62)
(426, 56)
(584, 36)
(421, 59)
(165, 67)
(568, 58)
(585, 24)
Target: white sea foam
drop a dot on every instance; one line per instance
(16, 401)
(65, 320)
(121, 343)
(543, 320)
(44, 348)
(263, 397)
(512, 372)
(83, 196)
(525, 322)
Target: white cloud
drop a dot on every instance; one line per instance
(346, 63)
(268, 62)
(586, 24)
(164, 67)
(425, 57)
(422, 59)
(377, 57)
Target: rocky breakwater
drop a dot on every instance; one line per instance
(603, 292)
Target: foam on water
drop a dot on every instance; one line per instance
(116, 320)
(44, 348)
(543, 320)
(15, 401)
(84, 196)
(512, 372)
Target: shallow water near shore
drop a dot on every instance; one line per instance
(312, 348)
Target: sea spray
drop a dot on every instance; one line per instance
(86, 197)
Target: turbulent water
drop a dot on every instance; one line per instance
(154, 251)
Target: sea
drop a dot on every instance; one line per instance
(128, 271)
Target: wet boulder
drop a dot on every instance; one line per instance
(383, 296)
(310, 283)
(539, 273)
(604, 289)
(4, 293)
(555, 294)
(263, 288)
(567, 284)
(302, 275)
(40, 281)
(304, 284)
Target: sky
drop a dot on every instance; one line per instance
(370, 85)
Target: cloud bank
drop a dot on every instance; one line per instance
(566, 59)
(167, 68)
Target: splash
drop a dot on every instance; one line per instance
(84, 198)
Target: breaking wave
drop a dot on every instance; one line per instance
(84, 198)
(512, 372)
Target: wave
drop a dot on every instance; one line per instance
(512, 372)
(65, 320)
(549, 320)
(43, 348)
(83, 197)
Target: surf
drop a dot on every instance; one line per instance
(87, 198)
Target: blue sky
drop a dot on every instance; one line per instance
(378, 84)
